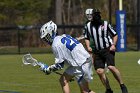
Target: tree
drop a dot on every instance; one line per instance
(23, 12)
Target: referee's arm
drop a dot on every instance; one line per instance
(114, 37)
(113, 46)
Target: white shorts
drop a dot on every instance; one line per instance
(83, 72)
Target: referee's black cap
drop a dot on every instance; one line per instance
(95, 10)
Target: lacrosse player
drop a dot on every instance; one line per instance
(89, 44)
(67, 50)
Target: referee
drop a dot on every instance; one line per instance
(105, 38)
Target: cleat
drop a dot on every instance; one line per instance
(124, 89)
(109, 91)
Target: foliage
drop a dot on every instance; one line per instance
(31, 12)
(23, 12)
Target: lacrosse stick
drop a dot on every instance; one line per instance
(29, 60)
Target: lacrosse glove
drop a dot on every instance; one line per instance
(45, 68)
(56, 67)
(48, 69)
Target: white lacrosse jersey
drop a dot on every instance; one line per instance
(70, 50)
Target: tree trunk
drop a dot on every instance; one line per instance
(59, 12)
(58, 16)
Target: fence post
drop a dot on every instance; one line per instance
(138, 22)
(18, 40)
(20, 27)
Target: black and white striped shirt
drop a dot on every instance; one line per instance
(102, 37)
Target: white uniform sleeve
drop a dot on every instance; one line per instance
(57, 53)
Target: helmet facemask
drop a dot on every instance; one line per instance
(89, 17)
(49, 38)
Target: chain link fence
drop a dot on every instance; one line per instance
(27, 40)
(15, 40)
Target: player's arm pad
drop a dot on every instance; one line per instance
(57, 66)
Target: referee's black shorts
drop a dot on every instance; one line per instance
(104, 56)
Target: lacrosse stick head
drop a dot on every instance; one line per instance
(29, 60)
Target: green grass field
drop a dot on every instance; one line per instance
(16, 78)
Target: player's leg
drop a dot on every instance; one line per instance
(104, 80)
(86, 76)
(115, 71)
(64, 81)
(99, 65)
(118, 77)
(84, 87)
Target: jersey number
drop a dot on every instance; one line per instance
(70, 42)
